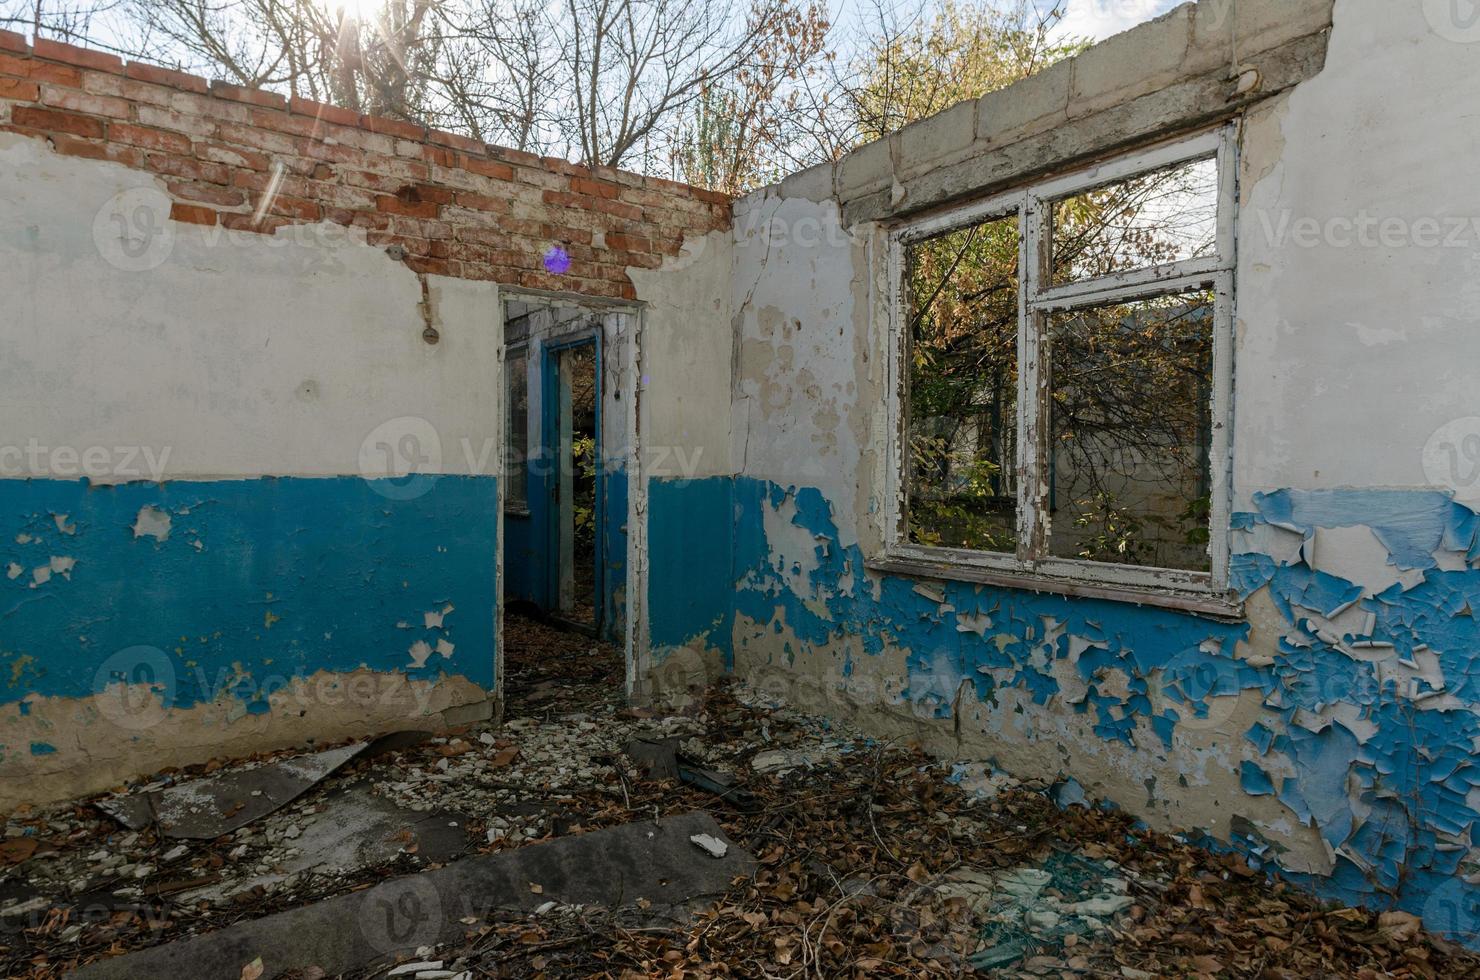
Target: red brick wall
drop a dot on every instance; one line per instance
(457, 207)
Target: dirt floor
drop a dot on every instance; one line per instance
(873, 859)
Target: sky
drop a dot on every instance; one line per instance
(1100, 19)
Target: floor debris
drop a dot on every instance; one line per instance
(641, 867)
(206, 808)
(870, 859)
(710, 844)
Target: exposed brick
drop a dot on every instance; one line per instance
(341, 196)
(57, 122)
(285, 123)
(265, 225)
(456, 206)
(427, 266)
(335, 153)
(564, 199)
(150, 139)
(257, 138)
(617, 209)
(254, 180)
(293, 207)
(520, 158)
(455, 141)
(392, 127)
(207, 194)
(188, 168)
(92, 105)
(414, 193)
(166, 76)
(628, 243)
(581, 185)
(487, 168)
(18, 90)
(251, 96)
(211, 108)
(232, 156)
(93, 150)
(11, 41)
(171, 119)
(440, 156)
(481, 202)
(40, 71)
(324, 112)
(415, 209)
(72, 55)
(192, 214)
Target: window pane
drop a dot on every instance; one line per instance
(517, 431)
(1165, 216)
(1130, 425)
(962, 301)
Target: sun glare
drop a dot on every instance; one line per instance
(360, 10)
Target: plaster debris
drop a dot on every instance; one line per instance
(896, 859)
(711, 845)
(208, 808)
(784, 760)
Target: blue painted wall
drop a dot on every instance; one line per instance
(691, 576)
(257, 582)
(1392, 801)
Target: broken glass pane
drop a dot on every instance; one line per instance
(962, 302)
(1130, 429)
(1154, 219)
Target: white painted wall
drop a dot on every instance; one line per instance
(1350, 358)
(685, 361)
(241, 354)
(802, 345)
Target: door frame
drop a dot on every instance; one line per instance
(631, 382)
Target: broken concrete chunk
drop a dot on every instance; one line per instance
(783, 760)
(202, 809)
(710, 844)
(620, 867)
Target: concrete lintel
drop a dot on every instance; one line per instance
(1179, 108)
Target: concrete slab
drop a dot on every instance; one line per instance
(204, 809)
(653, 861)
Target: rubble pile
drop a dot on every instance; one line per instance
(869, 858)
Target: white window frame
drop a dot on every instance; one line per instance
(1038, 298)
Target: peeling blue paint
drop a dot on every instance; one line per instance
(1383, 768)
(256, 583)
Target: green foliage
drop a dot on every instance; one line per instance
(951, 53)
(1109, 533)
(583, 506)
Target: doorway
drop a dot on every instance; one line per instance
(573, 395)
(568, 395)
